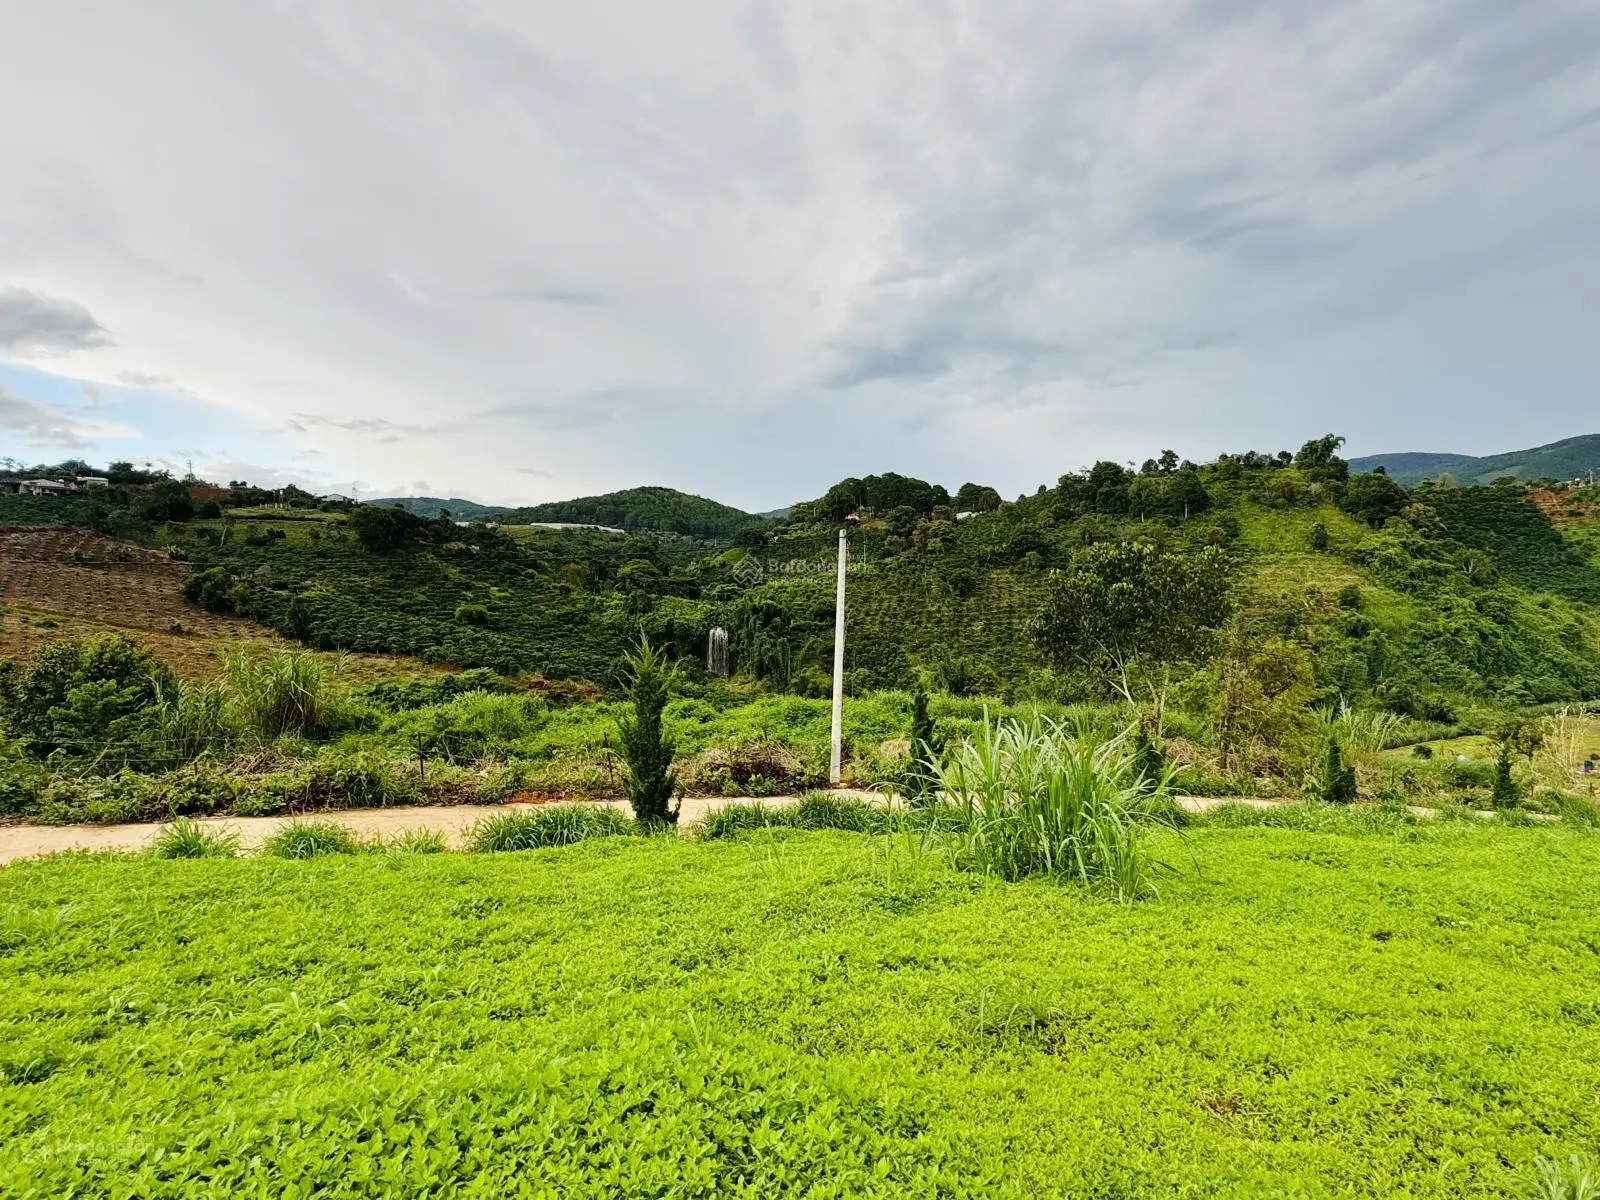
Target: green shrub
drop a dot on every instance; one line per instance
(185, 838)
(1505, 794)
(1576, 810)
(90, 699)
(1337, 783)
(311, 839)
(472, 614)
(1575, 1177)
(554, 825)
(21, 781)
(502, 783)
(197, 789)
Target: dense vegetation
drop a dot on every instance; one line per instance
(828, 1014)
(1258, 618)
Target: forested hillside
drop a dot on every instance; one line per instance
(1255, 615)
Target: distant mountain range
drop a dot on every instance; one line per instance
(1570, 458)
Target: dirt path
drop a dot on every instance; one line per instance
(23, 841)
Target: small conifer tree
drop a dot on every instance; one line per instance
(1338, 780)
(646, 749)
(926, 746)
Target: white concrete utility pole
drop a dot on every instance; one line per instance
(835, 747)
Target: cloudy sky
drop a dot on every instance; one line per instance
(519, 250)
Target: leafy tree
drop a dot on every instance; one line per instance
(1515, 737)
(1374, 498)
(1319, 458)
(382, 530)
(975, 497)
(1120, 603)
(646, 749)
(1319, 536)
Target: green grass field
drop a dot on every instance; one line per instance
(1300, 1014)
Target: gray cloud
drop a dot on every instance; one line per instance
(40, 425)
(36, 325)
(751, 250)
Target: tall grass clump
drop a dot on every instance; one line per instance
(417, 841)
(1362, 732)
(554, 825)
(311, 839)
(184, 838)
(191, 718)
(815, 810)
(827, 810)
(1029, 797)
(731, 820)
(291, 692)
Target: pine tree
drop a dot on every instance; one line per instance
(646, 749)
(1338, 780)
(1505, 791)
(925, 748)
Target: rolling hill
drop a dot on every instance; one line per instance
(641, 509)
(1567, 459)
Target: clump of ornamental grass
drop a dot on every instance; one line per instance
(551, 825)
(185, 838)
(311, 839)
(1030, 797)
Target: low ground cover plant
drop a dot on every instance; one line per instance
(1298, 1014)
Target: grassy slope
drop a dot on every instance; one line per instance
(1304, 1014)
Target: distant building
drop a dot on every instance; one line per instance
(93, 481)
(336, 498)
(44, 487)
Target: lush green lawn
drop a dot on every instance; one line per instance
(1299, 1014)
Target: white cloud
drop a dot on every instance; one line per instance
(746, 248)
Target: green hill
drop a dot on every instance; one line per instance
(1570, 458)
(652, 509)
(429, 507)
